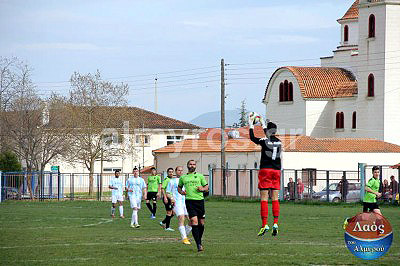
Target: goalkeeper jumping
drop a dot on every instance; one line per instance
(270, 172)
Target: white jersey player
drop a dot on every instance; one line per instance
(136, 188)
(117, 187)
(178, 201)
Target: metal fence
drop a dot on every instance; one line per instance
(58, 186)
(296, 184)
(301, 184)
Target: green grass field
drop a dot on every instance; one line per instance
(82, 233)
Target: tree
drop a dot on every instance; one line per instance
(27, 128)
(92, 110)
(243, 114)
(9, 162)
(11, 71)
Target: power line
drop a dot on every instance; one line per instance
(147, 75)
(306, 59)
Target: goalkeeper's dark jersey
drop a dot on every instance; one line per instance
(271, 149)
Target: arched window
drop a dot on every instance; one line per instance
(371, 26)
(346, 33)
(285, 90)
(354, 121)
(281, 92)
(371, 85)
(339, 120)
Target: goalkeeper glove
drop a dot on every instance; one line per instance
(251, 120)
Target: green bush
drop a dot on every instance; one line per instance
(9, 162)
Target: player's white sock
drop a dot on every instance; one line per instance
(182, 230)
(134, 217)
(188, 229)
(121, 210)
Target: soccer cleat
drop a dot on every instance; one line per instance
(263, 230)
(169, 229)
(200, 248)
(152, 217)
(137, 225)
(186, 241)
(122, 217)
(345, 223)
(162, 225)
(275, 230)
(133, 226)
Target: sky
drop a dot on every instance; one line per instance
(179, 42)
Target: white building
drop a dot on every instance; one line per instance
(308, 155)
(142, 132)
(356, 92)
(299, 152)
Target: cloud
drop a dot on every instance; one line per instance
(64, 46)
(291, 17)
(196, 23)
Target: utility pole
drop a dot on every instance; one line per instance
(223, 160)
(143, 138)
(155, 96)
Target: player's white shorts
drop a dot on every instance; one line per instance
(135, 202)
(180, 209)
(115, 198)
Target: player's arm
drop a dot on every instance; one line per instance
(180, 187)
(169, 193)
(368, 189)
(204, 185)
(203, 188)
(164, 193)
(145, 193)
(180, 191)
(251, 131)
(159, 187)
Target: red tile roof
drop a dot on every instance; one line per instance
(352, 12)
(146, 170)
(291, 143)
(114, 117)
(215, 133)
(323, 82)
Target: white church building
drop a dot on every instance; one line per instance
(353, 94)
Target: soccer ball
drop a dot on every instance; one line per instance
(255, 117)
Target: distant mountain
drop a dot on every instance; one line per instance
(213, 119)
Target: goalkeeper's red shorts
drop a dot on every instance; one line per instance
(269, 178)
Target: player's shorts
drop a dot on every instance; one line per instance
(180, 209)
(269, 178)
(115, 198)
(135, 202)
(370, 206)
(152, 196)
(195, 208)
(168, 206)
